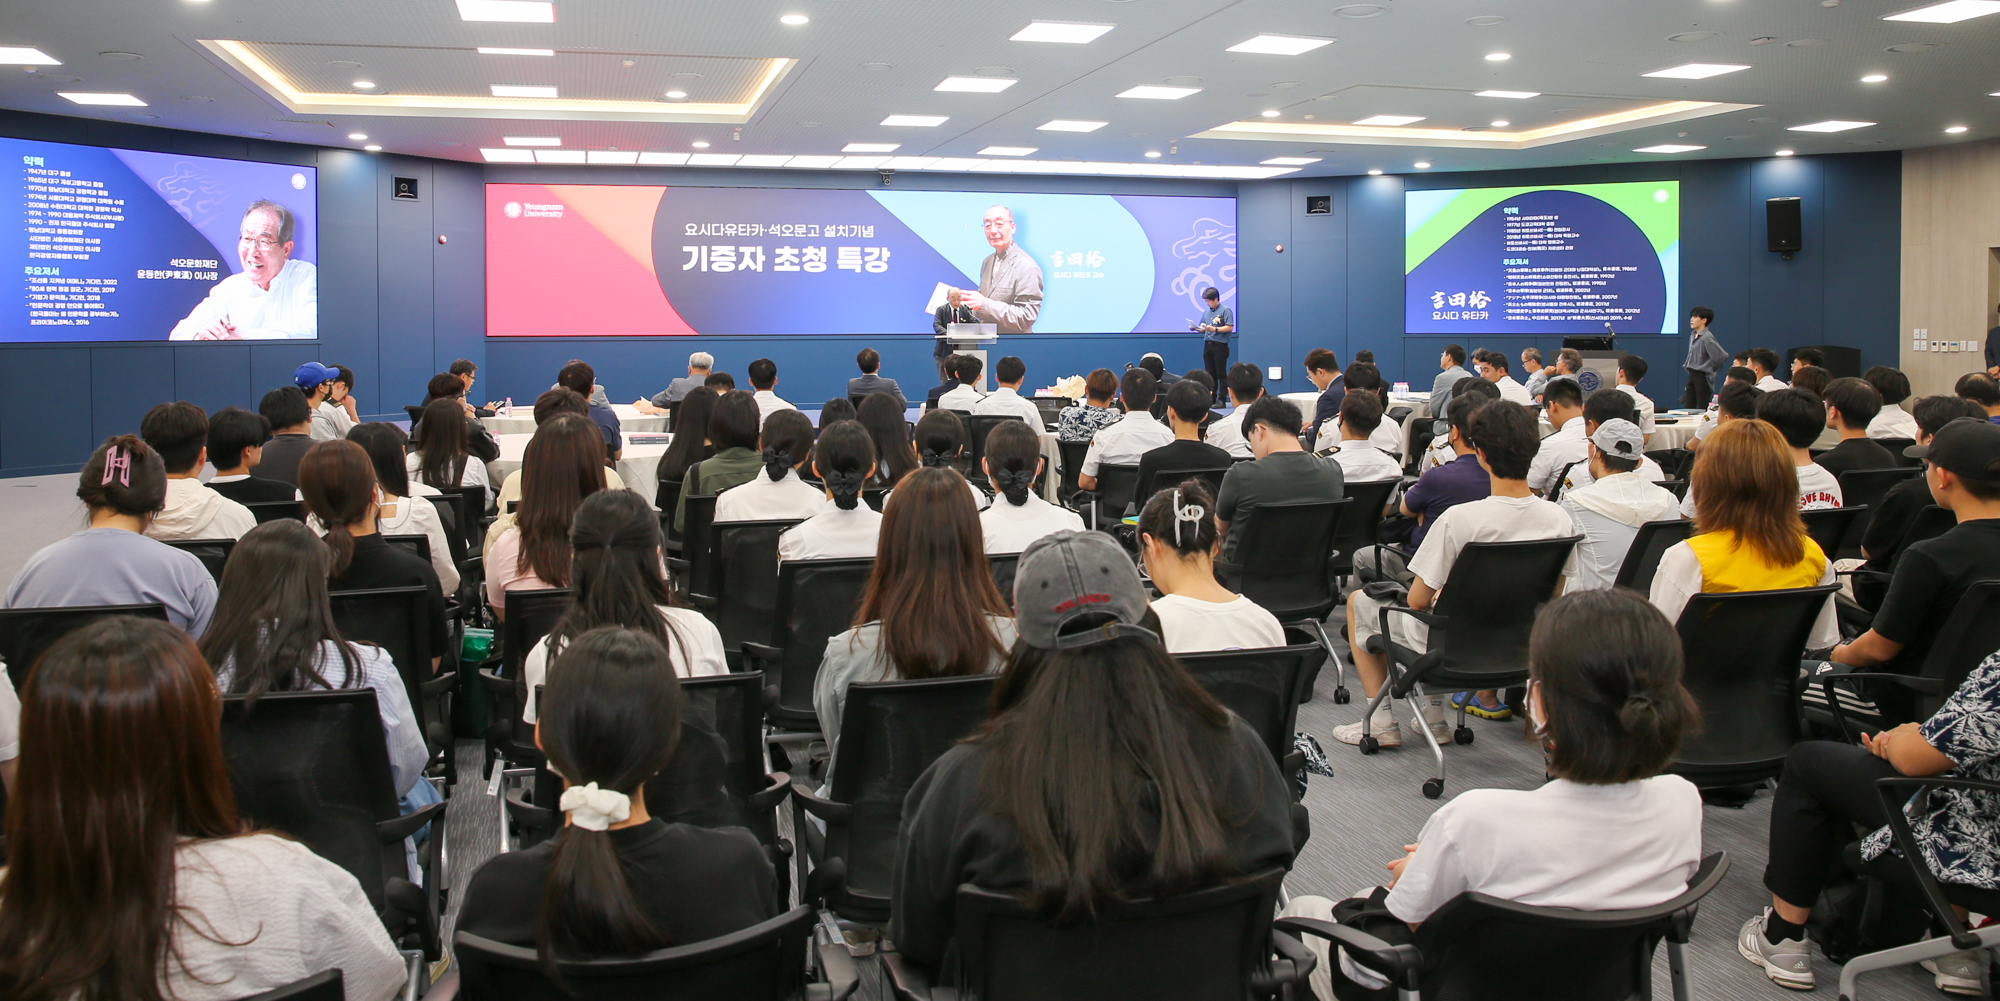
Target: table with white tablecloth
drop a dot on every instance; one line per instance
(522, 421)
(637, 466)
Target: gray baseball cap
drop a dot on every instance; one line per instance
(1070, 575)
(1620, 439)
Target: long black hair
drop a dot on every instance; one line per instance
(386, 445)
(787, 441)
(611, 715)
(843, 458)
(614, 572)
(890, 431)
(272, 614)
(690, 442)
(337, 481)
(444, 448)
(940, 437)
(1013, 456)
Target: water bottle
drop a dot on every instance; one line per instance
(510, 406)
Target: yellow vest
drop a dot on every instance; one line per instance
(1727, 565)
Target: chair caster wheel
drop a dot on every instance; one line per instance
(1341, 696)
(1369, 745)
(1462, 735)
(1433, 788)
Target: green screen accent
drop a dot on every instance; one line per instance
(1660, 221)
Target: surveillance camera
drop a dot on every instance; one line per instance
(888, 175)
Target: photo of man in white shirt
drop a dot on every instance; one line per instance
(272, 298)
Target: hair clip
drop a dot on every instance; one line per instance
(1186, 513)
(120, 462)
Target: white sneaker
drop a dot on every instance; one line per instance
(1957, 973)
(1788, 963)
(1387, 734)
(1432, 711)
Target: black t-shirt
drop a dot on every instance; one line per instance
(255, 489)
(1930, 579)
(694, 883)
(1891, 518)
(1178, 454)
(378, 564)
(1855, 453)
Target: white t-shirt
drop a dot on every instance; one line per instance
(762, 499)
(1122, 444)
(1362, 462)
(289, 311)
(697, 653)
(1489, 519)
(1893, 422)
(769, 403)
(1819, 489)
(1771, 384)
(1566, 445)
(1580, 475)
(1513, 391)
(833, 534)
(1608, 514)
(1006, 402)
(418, 516)
(194, 511)
(474, 475)
(1679, 578)
(330, 422)
(1586, 847)
(1388, 436)
(1190, 625)
(1010, 529)
(1647, 422)
(963, 396)
(1226, 433)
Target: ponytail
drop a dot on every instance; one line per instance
(337, 480)
(1013, 455)
(842, 457)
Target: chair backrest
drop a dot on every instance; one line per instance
(856, 398)
(1675, 462)
(1552, 952)
(1642, 560)
(469, 506)
(746, 580)
(324, 986)
(213, 553)
(1866, 487)
(1264, 686)
(1117, 486)
(1832, 526)
(1742, 650)
(1163, 478)
(1969, 636)
(416, 545)
(1072, 453)
(1359, 520)
(1003, 566)
(719, 763)
(1282, 558)
(313, 765)
(890, 732)
(666, 497)
(1679, 488)
(1489, 606)
(530, 616)
(698, 544)
(1896, 447)
(1929, 523)
(764, 962)
(977, 427)
(25, 633)
(1194, 947)
(397, 619)
(265, 511)
(816, 600)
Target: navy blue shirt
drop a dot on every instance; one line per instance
(1329, 407)
(1444, 487)
(606, 420)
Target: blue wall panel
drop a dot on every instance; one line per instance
(43, 420)
(347, 294)
(125, 382)
(458, 209)
(1787, 298)
(213, 376)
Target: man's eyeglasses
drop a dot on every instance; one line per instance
(267, 244)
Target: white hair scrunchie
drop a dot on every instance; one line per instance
(595, 809)
(1189, 513)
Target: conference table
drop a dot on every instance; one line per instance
(637, 466)
(523, 420)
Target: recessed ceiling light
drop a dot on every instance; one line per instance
(1008, 150)
(507, 155)
(613, 157)
(699, 144)
(1152, 154)
(1874, 78)
(1696, 71)
(108, 100)
(1518, 95)
(917, 121)
(1060, 31)
(559, 156)
(676, 95)
(357, 136)
(1290, 161)
(22, 55)
(1423, 165)
(1949, 12)
(364, 85)
(1500, 123)
(1498, 57)
(487, 50)
(976, 84)
(526, 11)
(870, 147)
(1151, 93)
(1956, 129)
(1833, 125)
(522, 90)
(1668, 148)
(794, 19)
(532, 140)
(1375, 172)
(372, 148)
(1270, 112)
(1279, 45)
(1390, 120)
(1784, 152)
(1069, 125)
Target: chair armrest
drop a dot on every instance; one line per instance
(404, 899)
(495, 684)
(1863, 572)
(1294, 964)
(909, 981)
(837, 965)
(392, 831)
(1402, 964)
(824, 809)
(772, 795)
(703, 602)
(440, 683)
(1928, 686)
(763, 653)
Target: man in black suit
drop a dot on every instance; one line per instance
(869, 383)
(946, 314)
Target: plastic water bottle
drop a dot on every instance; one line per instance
(1401, 388)
(510, 406)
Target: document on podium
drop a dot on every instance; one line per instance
(938, 298)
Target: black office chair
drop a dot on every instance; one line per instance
(265, 511)
(1675, 462)
(1359, 521)
(1865, 488)
(469, 509)
(1547, 952)
(1161, 479)
(1283, 560)
(977, 427)
(416, 545)
(1742, 650)
(1072, 454)
(1642, 560)
(746, 582)
(26, 633)
(694, 572)
(1679, 488)
(1003, 567)
(1478, 635)
(816, 601)
(213, 553)
(764, 962)
(890, 732)
(397, 619)
(1831, 527)
(510, 740)
(313, 765)
(1264, 687)
(1896, 447)
(1117, 486)
(666, 497)
(324, 986)
(1969, 635)
(1210, 945)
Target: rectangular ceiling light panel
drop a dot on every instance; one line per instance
(522, 11)
(870, 147)
(1696, 71)
(917, 121)
(103, 100)
(1949, 12)
(1150, 93)
(1070, 125)
(1518, 95)
(1290, 161)
(559, 156)
(1280, 45)
(508, 155)
(1390, 120)
(975, 84)
(23, 55)
(1060, 31)
(1008, 150)
(522, 90)
(490, 51)
(1833, 125)
(1668, 148)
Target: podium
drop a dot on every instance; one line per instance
(972, 339)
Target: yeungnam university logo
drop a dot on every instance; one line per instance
(512, 210)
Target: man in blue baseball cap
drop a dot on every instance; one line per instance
(316, 381)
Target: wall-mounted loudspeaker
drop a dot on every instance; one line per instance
(1781, 222)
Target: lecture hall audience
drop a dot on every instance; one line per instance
(846, 528)
(337, 479)
(235, 445)
(1246, 385)
(1081, 421)
(1017, 516)
(779, 492)
(179, 433)
(1177, 543)
(404, 509)
(1283, 470)
(1133, 435)
(1187, 405)
(561, 466)
(889, 431)
(290, 418)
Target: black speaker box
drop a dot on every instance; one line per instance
(1781, 220)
